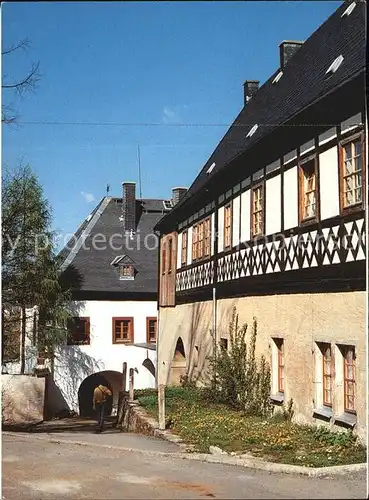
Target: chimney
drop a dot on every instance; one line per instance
(287, 49)
(129, 206)
(250, 87)
(177, 194)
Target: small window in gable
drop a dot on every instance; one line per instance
(335, 65)
(124, 267)
(126, 272)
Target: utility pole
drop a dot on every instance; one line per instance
(161, 406)
(139, 169)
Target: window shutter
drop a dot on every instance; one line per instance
(172, 276)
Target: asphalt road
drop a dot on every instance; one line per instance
(36, 468)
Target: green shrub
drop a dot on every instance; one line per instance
(239, 380)
(326, 436)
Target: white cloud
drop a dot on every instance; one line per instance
(173, 114)
(89, 197)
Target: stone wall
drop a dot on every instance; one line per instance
(302, 320)
(22, 400)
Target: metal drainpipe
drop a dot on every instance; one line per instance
(214, 318)
(158, 234)
(215, 274)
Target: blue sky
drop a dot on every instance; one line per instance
(136, 63)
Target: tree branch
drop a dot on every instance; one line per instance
(23, 44)
(29, 82)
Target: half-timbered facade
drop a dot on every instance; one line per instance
(274, 224)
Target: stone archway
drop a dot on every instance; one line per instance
(149, 365)
(178, 366)
(111, 379)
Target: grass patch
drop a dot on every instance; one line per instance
(203, 424)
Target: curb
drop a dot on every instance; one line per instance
(54, 440)
(251, 463)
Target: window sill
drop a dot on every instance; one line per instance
(277, 399)
(324, 413)
(308, 221)
(351, 209)
(123, 342)
(346, 420)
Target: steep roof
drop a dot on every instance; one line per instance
(93, 261)
(304, 81)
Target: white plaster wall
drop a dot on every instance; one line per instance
(179, 251)
(212, 234)
(273, 205)
(290, 202)
(221, 229)
(236, 221)
(75, 363)
(189, 245)
(329, 191)
(245, 216)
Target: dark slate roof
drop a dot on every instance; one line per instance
(304, 82)
(94, 264)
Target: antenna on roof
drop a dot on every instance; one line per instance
(107, 189)
(139, 169)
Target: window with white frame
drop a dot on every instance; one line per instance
(349, 378)
(351, 173)
(324, 375)
(257, 210)
(308, 190)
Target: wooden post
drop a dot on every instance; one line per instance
(161, 406)
(131, 384)
(120, 414)
(124, 382)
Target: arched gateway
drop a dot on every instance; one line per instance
(178, 366)
(111, 379)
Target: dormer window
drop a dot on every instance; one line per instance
(126, 272)
(125, 267)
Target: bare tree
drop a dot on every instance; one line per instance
(19, 86)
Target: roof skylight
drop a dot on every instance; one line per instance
(349, 9)
(253, 130)
(211, 168)
(278, 77)
(335, 65)
(167, 204)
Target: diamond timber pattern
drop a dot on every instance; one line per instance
(201, 275)
(314, 248)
